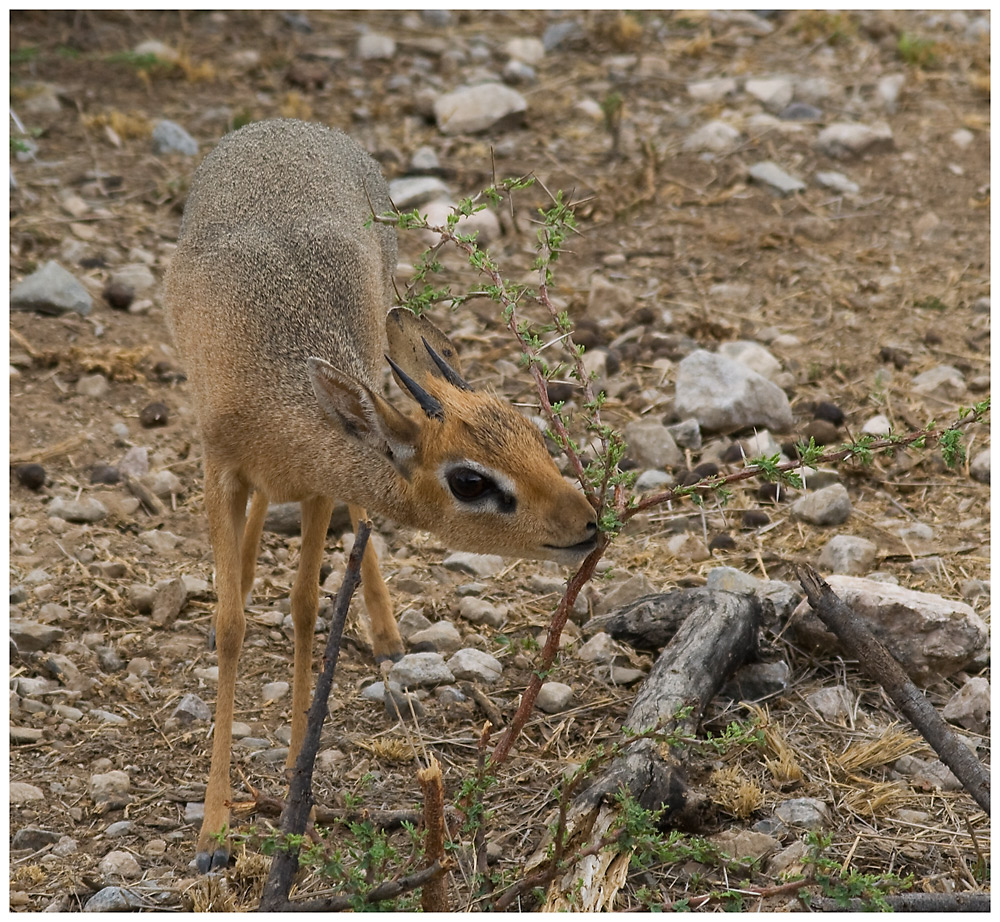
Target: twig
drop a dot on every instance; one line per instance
(149, 500)
(913, 902)
(878, 664)
(489, 709)
(434, 895)
(296, 814)
(386, 891)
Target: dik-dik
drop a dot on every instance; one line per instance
(277, 297)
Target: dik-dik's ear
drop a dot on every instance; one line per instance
(419, 348)
(364, 415)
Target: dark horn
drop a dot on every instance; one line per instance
(450, 375)
(430, 405)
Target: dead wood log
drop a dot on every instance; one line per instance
(879, 664)
(912, 902)
(719, 634)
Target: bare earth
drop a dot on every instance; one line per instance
(867, 290)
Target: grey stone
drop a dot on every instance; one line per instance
(553, 697)
(484, 224)
(114, 899)
(788, 858)
(607, 300)
(562, 33)
(688, 547)
(109, 786)
(635, 587)
(424, 159)
(743, 843)
(137, 276)
(471, 109)
(808, 812)
(715, 137)
(372, 46)
(943, 381)
(87, 509)
(158, 49)
(51, 290)
(529, 49)
(477, 564)
(834, 704)
(411, 191)
(66, 845)
(687, 434)
(753, 355)
(800, 112)
(851, 139)
(773, 92)
(442, 636)
(931, 637)
(419, 670)
(475, 665)
(160, 540)
(970, 706)
(274, 691)
(480, 611)
(756, 681)
(401, 705)
(34, 838)
(437, 18)
(120, 829)
(108, 717)
(168, 602)
(928, 774)
(652, 481)
(713, 90)
(517, 72)
(33, 635)
(120, 864)
(93, 386)
(769, 173)
(190, 709)
(411, 622)
(848, 554)
(838, 182)
(651, 444)
(625, 675)
(829, 506)
(170, 138)
(729, 579)
(135, 462)
(877, 425)
(20, 792)
(601, 648)
(723, 395)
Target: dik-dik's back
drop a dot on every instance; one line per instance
(274, 265)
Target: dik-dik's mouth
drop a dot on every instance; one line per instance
(581, 548)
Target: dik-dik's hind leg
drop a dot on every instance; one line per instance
(386, 642)
(251, 542)
(225, 502)
(316, 514)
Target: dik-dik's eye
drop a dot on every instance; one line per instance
(475, 487)
(467, 484)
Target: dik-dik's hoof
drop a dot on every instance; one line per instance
(381, 658)
(206, 862)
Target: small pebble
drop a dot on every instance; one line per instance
(31, 476)
(154, 415)
(119, 295)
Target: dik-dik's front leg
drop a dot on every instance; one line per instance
(225, 501)
(386, 642)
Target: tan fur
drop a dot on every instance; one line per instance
(277, 299)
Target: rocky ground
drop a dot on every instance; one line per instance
(796, 206)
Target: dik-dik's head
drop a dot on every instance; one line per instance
(468, 467)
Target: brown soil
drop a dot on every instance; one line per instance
(871, 303)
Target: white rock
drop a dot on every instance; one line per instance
(472, 109)
(635, 587)
(160, 540)
(877, 425)
(553, 697)
(170, 138)
(803, 811)
(838, 182)
(716, 137)
(753, 355)
(760, 445)
(86, 509)
(829, 506)
(137, 276)
(419, 670)
(942, 381)
(92, 385)
(834, 704)
(274, 691)
(851, 139)
(651, 444)
(443, 636)
(422, 160)
(51, 290)
(729, 579)
(713, 90)
(652, 481)
(688, 547)
(529, 50)
(120, 864)
(601, 648)
(20, 792)
(979, 467)
(479, 611)
(411, 191)
(158, 49)
(962, 138)
(373, 46)
(888, 89)
(970, 705)
(931, 636)
(112, 785)
(475, 666)
(485, 224)
(480, 565)
(165, 484)
(848, 554)
(770, 174)
(135, 462)
(723, 394)
(774, 92)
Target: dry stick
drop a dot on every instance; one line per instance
(300, 801)
(385, 891)
(878, 664)
(549, 651)
(912, 902)
(434, 896)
